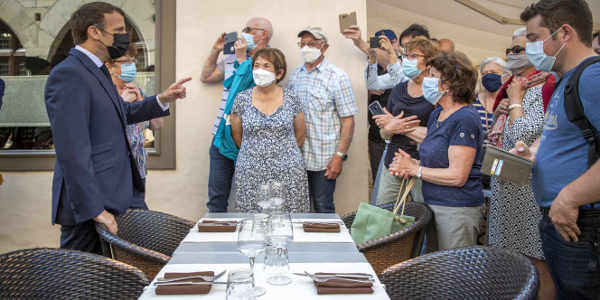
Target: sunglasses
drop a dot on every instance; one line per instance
(515, 50)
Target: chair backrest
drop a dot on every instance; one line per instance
(464, 273)
(146, 239)
(153, 230)
(45, 273)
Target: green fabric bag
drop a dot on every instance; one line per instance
(373, 222)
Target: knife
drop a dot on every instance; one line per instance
(341, 275)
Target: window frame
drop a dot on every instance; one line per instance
(163, 155)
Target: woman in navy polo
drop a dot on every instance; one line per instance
(451, 152)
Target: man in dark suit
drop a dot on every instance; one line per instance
(95, 173)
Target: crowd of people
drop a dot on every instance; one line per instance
(437, 113)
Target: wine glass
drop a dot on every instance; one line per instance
(276, 194)
(263, 197)
(251, 242)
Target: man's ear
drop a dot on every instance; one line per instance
(93, 32)
(279, 75)
(324, 48)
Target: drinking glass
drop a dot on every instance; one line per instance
(251, 242)
(279, 233)
(240, 285)
(276, 195)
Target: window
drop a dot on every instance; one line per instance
(25, 62)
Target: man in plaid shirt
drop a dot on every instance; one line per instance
(329, 110)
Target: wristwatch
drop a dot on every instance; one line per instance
(344, 156)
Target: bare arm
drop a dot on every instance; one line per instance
(460, 163)
(418, 134)
(346, 134)
(236, 129)
(300, 128)
(210, 72)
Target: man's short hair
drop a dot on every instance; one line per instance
(597, 34)
(88, 15)
(555, 13)
(413, 31)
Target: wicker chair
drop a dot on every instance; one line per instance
(399, 246)
(464, 273)
(67, 274)
(146, 239)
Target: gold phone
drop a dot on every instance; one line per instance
(347, 20)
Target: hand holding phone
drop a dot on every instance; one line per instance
(347, 20)
(374, 42)
(375, 108)
(230, 39)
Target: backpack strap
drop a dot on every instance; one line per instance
(575, 111)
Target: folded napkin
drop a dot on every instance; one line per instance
(185, 289)
(321, 227)
(341, 286)
(217, 226)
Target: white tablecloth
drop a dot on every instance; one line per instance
(299, 235)
(301, 288)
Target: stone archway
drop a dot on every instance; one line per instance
(139, 14)
(21, 22)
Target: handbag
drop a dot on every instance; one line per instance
(373, 222)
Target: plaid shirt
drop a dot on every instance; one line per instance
(327, 96)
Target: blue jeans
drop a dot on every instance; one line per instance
(574, 266)
(321, 191)
(220, 176)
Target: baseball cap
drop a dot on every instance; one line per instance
(388, 33)
(317, 32)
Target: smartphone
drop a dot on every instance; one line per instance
(230, 39)
(374, 42)
(347, 20)
(375, 108)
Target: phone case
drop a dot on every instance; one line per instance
(347, 20)
(375, 108)
(505, 165)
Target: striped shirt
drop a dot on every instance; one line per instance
(487, 119)
(327, 96)
(226, 65)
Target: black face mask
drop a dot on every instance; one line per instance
(120, 45)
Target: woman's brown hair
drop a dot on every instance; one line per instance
(424, 45)
(274, 56)
(457, 72)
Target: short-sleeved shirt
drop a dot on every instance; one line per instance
(401, 101)
(562, 156)
(226, 65)
(327, 96)
(462, 128)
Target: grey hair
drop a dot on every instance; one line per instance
(493, 59)
(519, 32)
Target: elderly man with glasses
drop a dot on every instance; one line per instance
(329, 110)
(254, 36)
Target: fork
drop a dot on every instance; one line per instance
(203, 277)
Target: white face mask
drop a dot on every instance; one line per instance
(310, 54)
(263, 77)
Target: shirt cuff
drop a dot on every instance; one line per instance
(164, 107)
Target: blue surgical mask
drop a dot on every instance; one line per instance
(410, 69)
(491, 82)
(538, 58)
(431, 90)
(249, 40)
(128, 72)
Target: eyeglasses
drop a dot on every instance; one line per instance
(312, 44)
(249, 29)
(412, 56)
(515, 50)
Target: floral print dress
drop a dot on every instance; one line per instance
(269, 151)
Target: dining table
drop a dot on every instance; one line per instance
(312, 252)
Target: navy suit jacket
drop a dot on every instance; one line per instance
(95, 169)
